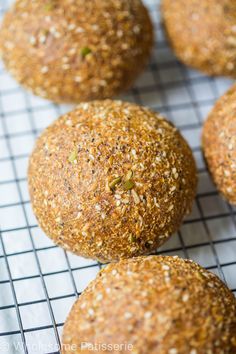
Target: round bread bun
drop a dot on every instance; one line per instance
(219, 144)
(111, 180)
(203, 34)
(76, 50)
(153, 305)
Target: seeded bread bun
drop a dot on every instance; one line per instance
(203, 34)
(111, 180)
(76, 50)
(219, 144)
(154, 305)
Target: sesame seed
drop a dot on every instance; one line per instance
(165, 267)
(128, 315)
(80, 30)
(211, 285)
(136, 29)
(173, 351)
(193, 351)
(119, 33)
(99, 297)
(185, 297)
(171, 207)
(33, 40)
(79, 214)
(98, 207)
(226, 173)
(44, 69)
(42, 39)
(135, 196)
(78, 79)
(148, 314)
(69, 122)
(71, 26)
(90, 312)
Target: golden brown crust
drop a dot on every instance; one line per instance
(219, 144)
(159, 305)
(76, 50)
(111, 180)
(203, 34)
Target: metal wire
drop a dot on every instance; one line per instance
(163, 94)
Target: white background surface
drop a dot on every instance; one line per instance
(41, 278)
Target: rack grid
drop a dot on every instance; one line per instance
(39, 281)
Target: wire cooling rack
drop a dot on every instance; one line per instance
(39, 281)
